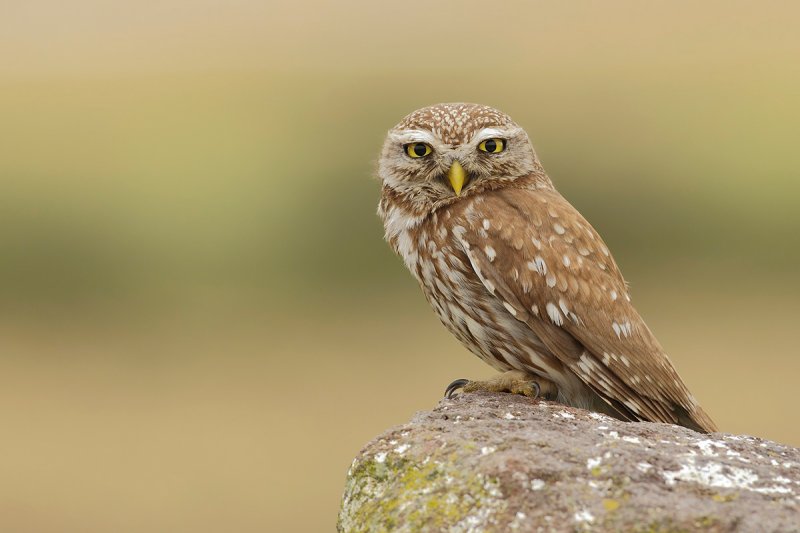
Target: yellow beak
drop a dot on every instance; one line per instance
(457, 176)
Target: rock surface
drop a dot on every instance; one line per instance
(500, 462)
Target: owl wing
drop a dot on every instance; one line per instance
(551, 269)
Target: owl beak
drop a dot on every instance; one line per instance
(457, 176)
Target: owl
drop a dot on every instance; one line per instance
(516, 273)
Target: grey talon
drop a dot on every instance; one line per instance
(454, 386)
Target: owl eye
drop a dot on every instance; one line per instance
(492, 146)
(417, 150)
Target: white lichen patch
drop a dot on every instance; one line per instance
(518, 521)
(584, 516)
(402, 448)
(775, 489)
(509, 416)
(486, 450)
(644, 467)
(481, 516)
(492, 488)
(707, 446)
(593, 462)
(565, 414)
(380, 457)
(602, 486)
(712, 474)
(632, 440)
(537, 484)
(352, 467)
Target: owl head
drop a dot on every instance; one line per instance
(439, 154)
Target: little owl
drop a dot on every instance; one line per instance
(516, 273)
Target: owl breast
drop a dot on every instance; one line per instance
(465, 307)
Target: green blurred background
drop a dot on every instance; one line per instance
(200, 322)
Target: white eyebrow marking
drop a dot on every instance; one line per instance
(412, 136)
(491, 133)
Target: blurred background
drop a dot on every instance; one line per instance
(200, 322)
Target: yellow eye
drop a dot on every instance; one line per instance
(493, 146)
(417, 150)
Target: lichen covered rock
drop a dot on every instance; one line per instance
(500, 462)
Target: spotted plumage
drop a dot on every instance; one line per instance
(515, 272)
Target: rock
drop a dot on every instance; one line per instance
(500, 462)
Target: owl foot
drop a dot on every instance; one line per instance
(513, 381)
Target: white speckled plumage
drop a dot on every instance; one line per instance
(516, 273)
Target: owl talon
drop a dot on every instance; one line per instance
(537, 389)
(454, 386)
(513, 381)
